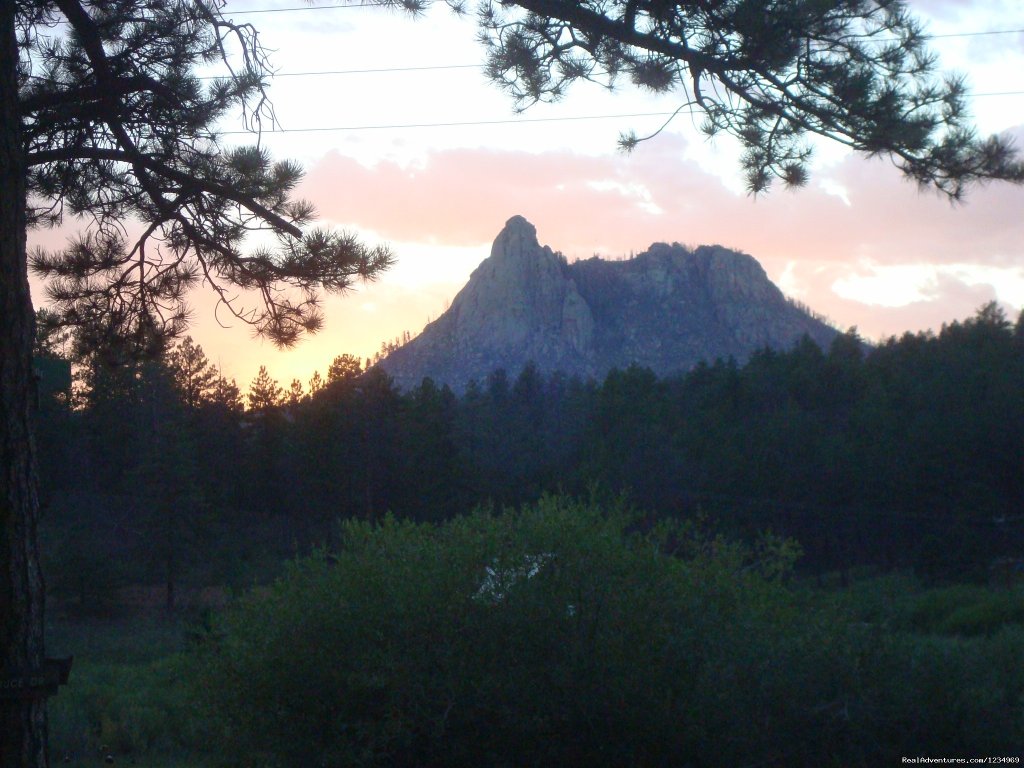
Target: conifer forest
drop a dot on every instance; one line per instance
(543, 570)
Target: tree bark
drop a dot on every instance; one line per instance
(22, 722)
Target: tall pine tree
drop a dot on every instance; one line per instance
(102, 115)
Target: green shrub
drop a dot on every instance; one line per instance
(964, 609)
(929, 611)
(564, 635)
(986, 616)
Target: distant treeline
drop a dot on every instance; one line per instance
(905, 454)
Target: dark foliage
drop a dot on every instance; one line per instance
(770, 74)
(902, 455)
(118, 128)
(566, 634)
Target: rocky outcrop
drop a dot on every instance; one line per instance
(666, 309)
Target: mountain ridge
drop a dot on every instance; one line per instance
(667, 308)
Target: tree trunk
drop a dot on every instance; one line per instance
(22, 722)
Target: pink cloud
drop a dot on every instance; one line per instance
(945, 299)
(614, 205)
(581, 204)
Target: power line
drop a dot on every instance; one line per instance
(370, 4)
(501, 121)
(439, 67)
(976, 34)
(384, 3)
(456, 124)
(376, 70)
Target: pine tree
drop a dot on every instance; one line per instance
(295, 393)
(316, 383)
(220, 443)
(116, 124)
(770, 74)
(51, 339)
(226, 395)
(344, 368)
(264, 392)
(193, 373)
(102, 114)
(167, 491)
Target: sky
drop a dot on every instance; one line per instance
(431, 159)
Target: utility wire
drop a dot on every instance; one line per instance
(380, 3)
(255, 11)
(500, 121)
(976, 34)
(456, 124)
(440, 67)
(374, 70)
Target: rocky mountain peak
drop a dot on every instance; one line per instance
(518, 237)
(514, 295)
(668, 308)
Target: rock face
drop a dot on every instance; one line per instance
(666, 309)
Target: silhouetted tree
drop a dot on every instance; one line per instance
(770, 74)
(344, 368)
(376, 422)
(295, 393)
(628, 447)
(226, 395)
(101, 114)
(193, 373)
(110, 397)
(264, 392)
(220, 444)
(52, 358)
(165, 485)
(431, 470)
(316, 383)
(529, 461)
(52, 339)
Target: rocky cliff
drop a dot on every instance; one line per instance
(667, 309)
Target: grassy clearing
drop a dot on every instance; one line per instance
(125, 697)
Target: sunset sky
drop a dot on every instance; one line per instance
(384, 157)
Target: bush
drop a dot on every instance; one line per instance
(566, 635)
(965, 609)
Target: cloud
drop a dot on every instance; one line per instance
(859, 216)
(993, 13)
(582, 204)
(939, 296)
